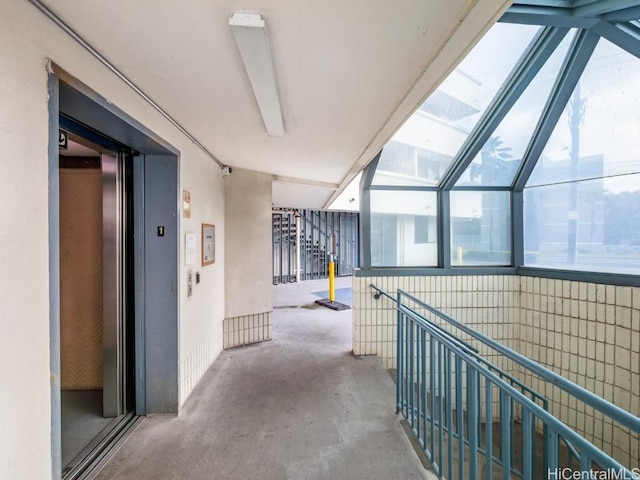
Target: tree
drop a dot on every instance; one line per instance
(493, 168)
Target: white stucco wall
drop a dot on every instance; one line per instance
(410, 252)
(248, 232)
(27, 41)
(202, 314)
(24, 270)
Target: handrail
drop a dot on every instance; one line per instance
(620, 415)
(557, 428)
(474, 351)
(382, 292)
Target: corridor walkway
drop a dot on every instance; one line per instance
(298, 407)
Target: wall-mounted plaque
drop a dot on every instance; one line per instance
(208, 244)
(186, 204)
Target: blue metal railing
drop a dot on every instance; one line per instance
(471, 350)
(469, 416)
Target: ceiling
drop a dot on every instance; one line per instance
(348, 73)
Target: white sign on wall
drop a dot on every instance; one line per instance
(190, 251)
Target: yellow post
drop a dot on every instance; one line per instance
(332, 287)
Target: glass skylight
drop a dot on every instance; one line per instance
(579, 210)
(424, 147)
(501, 156)
(597, 134)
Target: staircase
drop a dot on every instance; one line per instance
(313, 230)
(473, 420)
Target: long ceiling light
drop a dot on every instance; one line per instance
(251, 38)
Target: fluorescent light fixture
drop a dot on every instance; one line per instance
(251, 37)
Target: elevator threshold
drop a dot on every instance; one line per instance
(90, 460)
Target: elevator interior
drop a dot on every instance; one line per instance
(96, 319)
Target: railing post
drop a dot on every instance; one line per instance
(289, 248)
(399, 341)
(432, 387)
(472, 406)
(460, 416)
(423, 392)
(528, 451)
(552, 451)
(418, 375)
(281, 216)
(411, 382)
(440, 405)
(489, 428)
(505, 433)
(449, 410)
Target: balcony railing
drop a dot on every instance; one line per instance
(473, 419)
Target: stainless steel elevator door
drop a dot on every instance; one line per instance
(112, 291)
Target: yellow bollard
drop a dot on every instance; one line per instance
(332, 287)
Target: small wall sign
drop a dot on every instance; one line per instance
(62, 140)
(208, 244)
(190, 248)
(186, 204)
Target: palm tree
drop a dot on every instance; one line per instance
(493, 168)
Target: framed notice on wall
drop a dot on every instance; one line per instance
(208, 244)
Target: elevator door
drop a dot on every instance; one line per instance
(115, 314)
(97, 315)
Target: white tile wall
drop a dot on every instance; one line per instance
(590, 334)
(237, 331)
(246, 330)
(484, 302)
(195, 364)
(487, 303)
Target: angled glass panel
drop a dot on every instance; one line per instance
(406, 164)
(597, 135)
(591, 225)
(480, 228)
(424, 147)
(583, 198)
(499, 159)
(404, 229)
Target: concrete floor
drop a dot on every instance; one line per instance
(297, 407)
